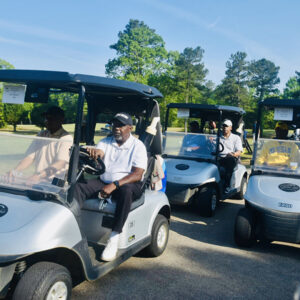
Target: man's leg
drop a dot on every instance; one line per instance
(229, 163)
(125, 195)
(86, 190)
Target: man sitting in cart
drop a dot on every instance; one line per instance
(279, 153)
(125, 158)
(50, 159)
(232, 151)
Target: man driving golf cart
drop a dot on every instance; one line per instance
(48, 244)
(195, 174)
(230, 155)
(125, 159)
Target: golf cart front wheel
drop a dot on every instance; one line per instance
(44, 281)
(207, 200)
(159, 236)
(244, 228)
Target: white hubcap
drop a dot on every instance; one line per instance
(58, 291)
(161, 236)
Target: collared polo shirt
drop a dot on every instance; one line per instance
(232, 143)
(119, 160)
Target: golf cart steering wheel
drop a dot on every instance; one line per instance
(221, 149)
(90, 165)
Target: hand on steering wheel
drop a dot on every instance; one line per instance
(91, 161)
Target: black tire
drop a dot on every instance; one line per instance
(206, 200)
(42, 278)
(244, 228)
(241, 193)
(159, 237)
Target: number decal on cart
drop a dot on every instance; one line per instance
(285, 205)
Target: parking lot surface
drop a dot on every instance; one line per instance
(203, 262)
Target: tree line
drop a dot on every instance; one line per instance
(141, 56)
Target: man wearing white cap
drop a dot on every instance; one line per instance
(232, 150)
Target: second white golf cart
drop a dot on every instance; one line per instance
(194, 175)
(272, 199)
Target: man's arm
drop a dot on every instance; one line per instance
(135, 176)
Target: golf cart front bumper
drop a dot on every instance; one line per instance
(180, 193)
(277, 225)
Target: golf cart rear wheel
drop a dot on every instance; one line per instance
(244, 228)
(159, 236)
(207, 200)
(44, 281)
(241, 193)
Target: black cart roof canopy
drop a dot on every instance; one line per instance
(275, 102)
(211, 112)
(208, 107)
(112, 94)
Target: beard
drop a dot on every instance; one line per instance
(118, 137)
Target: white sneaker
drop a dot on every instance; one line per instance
(111, 249)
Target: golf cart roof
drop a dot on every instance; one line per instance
(71, 82)
(112, 94)
(211, 112)
(208, 107)
(275, 102)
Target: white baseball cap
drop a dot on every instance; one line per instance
(227, 123)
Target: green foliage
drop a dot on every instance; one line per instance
(13, 114)
(292, 88)
(141, 52)
(263, 77)
(190, 74)
(3, 65)
(233, 89)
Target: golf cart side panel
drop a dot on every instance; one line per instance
(54, 225)
(139, 222)
(238, 173)
(264, 191)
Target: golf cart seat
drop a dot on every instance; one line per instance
(104, 206)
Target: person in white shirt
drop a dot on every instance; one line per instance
(125, 158)
(232, 150)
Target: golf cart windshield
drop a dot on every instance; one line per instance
(190, 145)
(34, 163)
(277, 156)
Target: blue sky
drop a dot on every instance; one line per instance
(75, 35)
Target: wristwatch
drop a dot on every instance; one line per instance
(116, 183)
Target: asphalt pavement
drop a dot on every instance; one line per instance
(203, 262)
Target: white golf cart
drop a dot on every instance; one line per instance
(192, 159)
(47, 244)
(272, 207)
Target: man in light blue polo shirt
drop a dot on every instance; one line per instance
(232, 150)
(125, 158)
